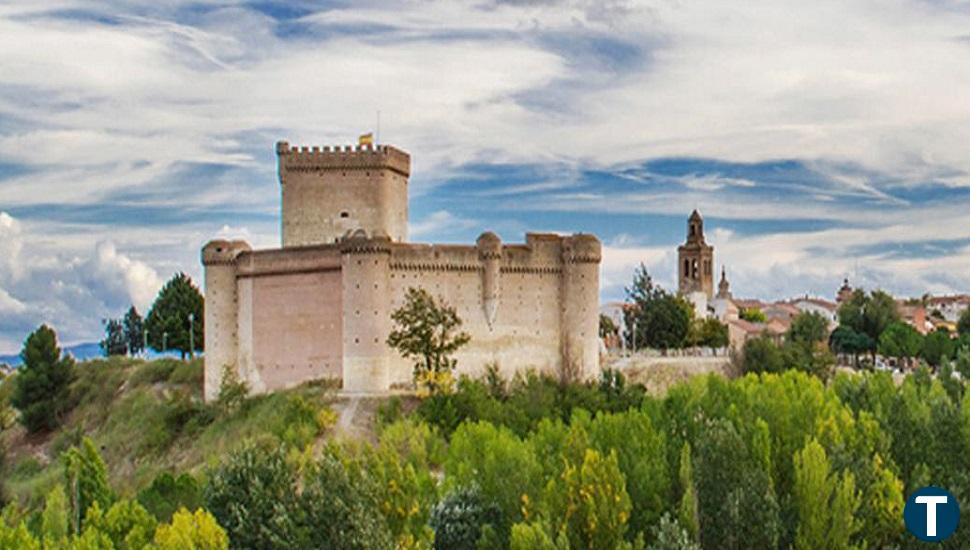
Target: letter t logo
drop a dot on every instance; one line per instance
(931, 502)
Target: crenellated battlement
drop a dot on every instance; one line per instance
(341, 157)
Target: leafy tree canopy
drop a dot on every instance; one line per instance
(177, 308)
(428, 332)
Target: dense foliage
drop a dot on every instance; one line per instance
(427, 332)
(771, 460)
(41, 386)
(175, 321)
(656, 318)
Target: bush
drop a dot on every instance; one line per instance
(253, 495)
(256, 496)
(167, 493)
(459, 518)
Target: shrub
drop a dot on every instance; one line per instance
(232, 390)
(458, 519)
(167, 493)
(253, 495)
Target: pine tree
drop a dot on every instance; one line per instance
(42, 384)
(114, 342)
(134, 328)
(177, 309)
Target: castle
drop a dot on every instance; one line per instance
(320, 305)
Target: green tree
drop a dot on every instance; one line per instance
(177, 309)
(901, 341)
(338, 511)
(761, 354)
(43, 382)
(134, 327)
(687, 509)
(808, 358)
(826, 503)
(459, 517)
(869, 314)
(499, 463)
(86, 482)
(961, 362)
(667, 322)
(713, 334)
(963, 324)
(126, 525)
(641, 452)
(590, 503)
(167, 493)
(253, 496)
(937, 347)
(810, 328)
(752, 315)
(198, 531)
(670, 535)
(114, 342)
(54, 524)
(845, 340)
(737, 506)
(17, 536)
(427, 332)
(657, 319)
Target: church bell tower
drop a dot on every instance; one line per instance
(695, 260)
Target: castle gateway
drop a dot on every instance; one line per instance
(320, 306)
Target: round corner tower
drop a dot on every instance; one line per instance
(365, 262)
(221, 310)
(581, 255)
(330, 192)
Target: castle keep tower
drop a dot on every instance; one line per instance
(330, 192)
(695, 259)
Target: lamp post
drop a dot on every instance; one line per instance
(144, 342)
(164, 342)
(191, 336)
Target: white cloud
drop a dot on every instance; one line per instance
(92, 109)
(438, 222)
(70, 292)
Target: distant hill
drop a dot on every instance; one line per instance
(81, 352)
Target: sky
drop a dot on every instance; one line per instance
(820, 140)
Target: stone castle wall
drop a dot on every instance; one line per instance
(324, 311)
(320, 306)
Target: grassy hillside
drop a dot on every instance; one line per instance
(147, 417)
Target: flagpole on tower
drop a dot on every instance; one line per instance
(378, 131)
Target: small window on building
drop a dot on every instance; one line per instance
(345, 214)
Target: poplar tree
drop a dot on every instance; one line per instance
(826, 503)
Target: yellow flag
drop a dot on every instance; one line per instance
(366, 139)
